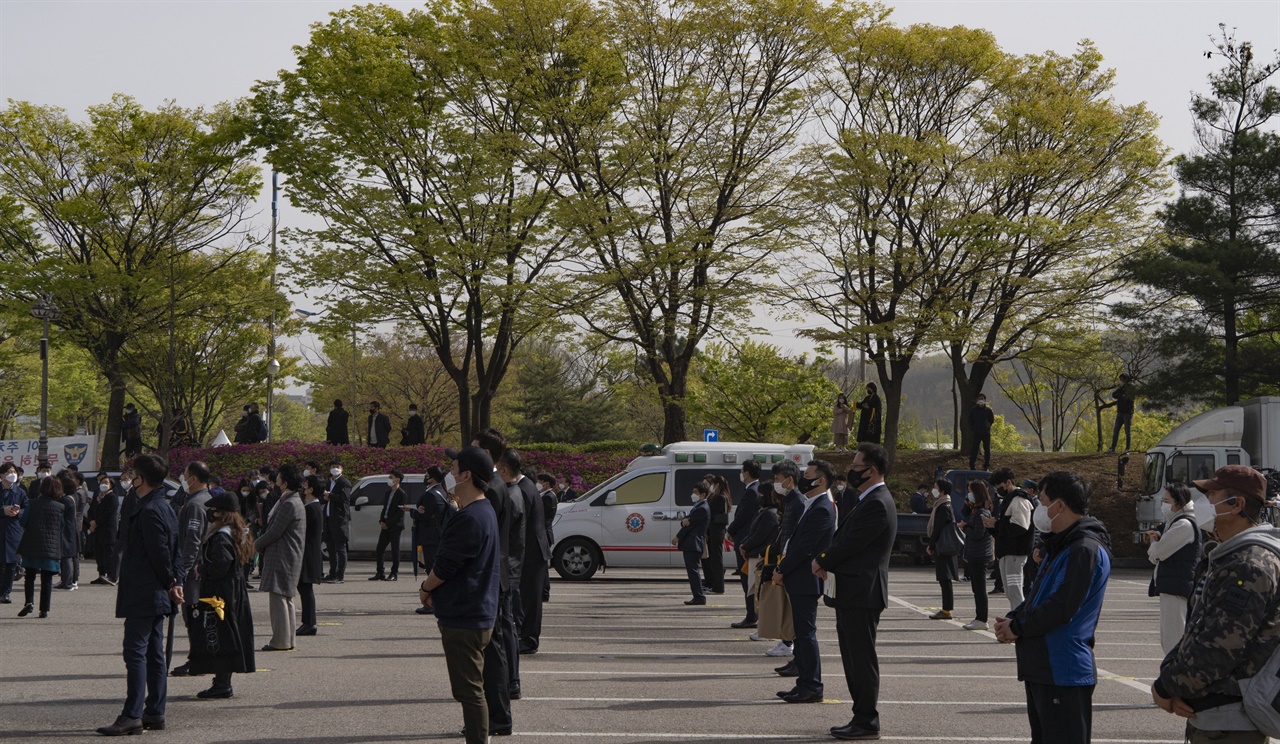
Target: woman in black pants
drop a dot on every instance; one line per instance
(942, 518)
(41, 546)
(312, 559)
(720, 502)
(978, 549)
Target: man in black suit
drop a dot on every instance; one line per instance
(814, 527)
(106, 521)
(858, 559)
(547, 487)
(337, 523)
(748, 505)
(415, 432)
(391, 522)
(429, 516)
(567, 493)
(537, 555)
(335, 431)
(379, 426)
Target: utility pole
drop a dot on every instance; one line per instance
(44, 311)
(273, 366)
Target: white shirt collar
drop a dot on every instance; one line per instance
(808, 500)
(863, 495)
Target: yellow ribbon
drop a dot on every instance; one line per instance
(216, 603)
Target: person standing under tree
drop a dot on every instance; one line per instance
(981, 419)
(414, 431)
(379, 426)
(335, 429)
(869, 421)
(841, 415)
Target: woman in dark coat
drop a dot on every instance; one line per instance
(70, 567)
(223, 645)
(42, 538)
(869, 421)
(312, 558)
(720, 502)
(941, 519)
(978, 550)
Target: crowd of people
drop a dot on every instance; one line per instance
(803, 536)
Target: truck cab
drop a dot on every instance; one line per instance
(1245, 434)
(628, 520)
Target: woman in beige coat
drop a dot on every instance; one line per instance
(841, 415)
(281, 545)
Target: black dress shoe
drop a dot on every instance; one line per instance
(854, 732)
(803, 696)
(28, 609)
(6, 600)
(527, 651)
(122, 727)
(696, 601)
(425, 611)
(153, 723)
(306, 630)
(269, 647)
(215, 693)
(181, 671)
(788, 670)
(377, 577)
(514, 693)
(43, 613)
(393, 577)
(743, 624)
(499, 732)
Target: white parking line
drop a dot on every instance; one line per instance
(757, 701)
(793, 737)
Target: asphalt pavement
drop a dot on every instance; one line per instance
(622, 661)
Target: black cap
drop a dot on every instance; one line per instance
(223, 502)
(473, 460)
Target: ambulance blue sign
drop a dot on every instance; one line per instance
(710, 435)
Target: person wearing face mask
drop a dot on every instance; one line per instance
(942, 519)
(1014, 533)
(337, 523)
(869, 421)
(981, 419)
(814, 527)
(379, 426)
(335, 428)
(841, 416)
(281, 547)
(1054, 627)
(719, 503)
(977, 547)
(692, 540)
(193, 524)
(391, 523)
(1175, 551)
(103, 527)
(786, 476)
(1232, 630)
(312, 560)
(741, 526)
(920, 499)
(858, 563)
(13, 501)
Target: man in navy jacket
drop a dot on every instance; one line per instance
(743, 516)
(814, 528)
(149, 588)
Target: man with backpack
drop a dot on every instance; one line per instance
(1217, 676)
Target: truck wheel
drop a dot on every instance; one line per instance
(577, 559)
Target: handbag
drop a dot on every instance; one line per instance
(951, 541)
(774, 613)
(706, 548)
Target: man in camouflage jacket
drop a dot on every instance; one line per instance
(1234, 626)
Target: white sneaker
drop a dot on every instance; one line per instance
(73, 586)
(781, 649)
(976, 625)
(753, 636)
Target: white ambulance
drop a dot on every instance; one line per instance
(628, 521)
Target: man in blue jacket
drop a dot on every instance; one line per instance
(463, 586)
(814, 528)
(148, 590)
(1054, 627)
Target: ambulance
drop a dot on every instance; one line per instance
(628, 520)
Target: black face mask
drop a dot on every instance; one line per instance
(858, 477)
(805, 485)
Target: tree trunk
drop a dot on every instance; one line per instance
(969, 383)
(466, 426)
(115, 416)
(674, 412)
(891, 376)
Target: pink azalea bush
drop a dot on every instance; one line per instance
(582, 469)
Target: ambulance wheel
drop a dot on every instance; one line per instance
(577, 559)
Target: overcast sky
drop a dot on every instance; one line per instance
(199, 52)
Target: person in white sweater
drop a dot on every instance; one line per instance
(1175, 550)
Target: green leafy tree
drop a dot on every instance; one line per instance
(562, 400)
(751, 392)
(410, 135)
(95, 213)
(1211, 288)
(677, 151)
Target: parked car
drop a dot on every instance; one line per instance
(367, 499)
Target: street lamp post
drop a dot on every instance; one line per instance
(45, 311)
(273, 369)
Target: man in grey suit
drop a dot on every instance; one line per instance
(193, 522)
(859, 560)
(281, 548)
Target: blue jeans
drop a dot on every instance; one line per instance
(145, 666)
(804, 616)
(692, 565)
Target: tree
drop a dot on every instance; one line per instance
(752, 393)
(1064, 190)
(1212, 286)
(677, 150)
(409, 135)
(562, 398)
(95, 213)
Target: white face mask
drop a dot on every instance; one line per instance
(935, 493)
(1041, 519)
(42, 474)
(391, 482)
(778, 489)
(1204, 513)
(450, 483)
(306, 473)
(182, 481)
(11, 478)
(335, 472)
(1166, 510)
(245, 493)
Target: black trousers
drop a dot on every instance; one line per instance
(497, 689)
(532, 583)
(751, 599)
(713, 564)
(1125, 420)
(804, 616)
(1059, 715)
(337, 541)
(981, 439)
(945, 570)
(389, 538)
(108, 560)
(977, 568)
(46, 587)
(856, 631)
(307, 595)
(6, 578)
(511, 637)
(692, 562)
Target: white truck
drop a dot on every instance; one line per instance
(1244, 434)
